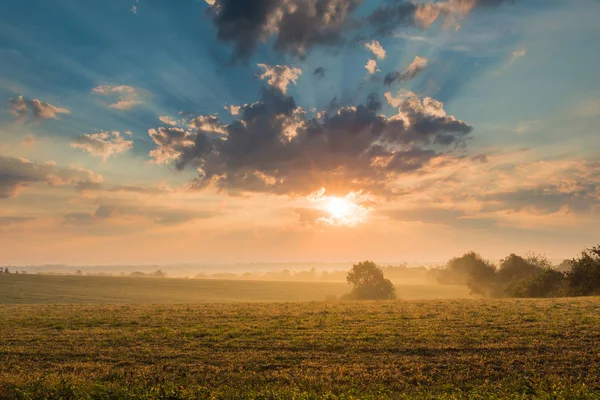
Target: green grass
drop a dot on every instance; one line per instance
(450, 349)
(36, 289)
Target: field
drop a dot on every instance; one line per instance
(28, 289)
(450, 349)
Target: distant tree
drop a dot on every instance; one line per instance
(78, 273)
(584, 276)
(369, 282)
(159, 274)
(6, 271)
(565, 266)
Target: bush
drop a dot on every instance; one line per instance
(369, 283)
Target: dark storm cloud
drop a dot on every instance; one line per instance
(276, 148)
(388, 17)
(297, 25)
(16, 173)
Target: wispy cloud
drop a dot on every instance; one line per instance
(122, 97)
(103, 144)
(21, 107)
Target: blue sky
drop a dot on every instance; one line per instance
(522, 76)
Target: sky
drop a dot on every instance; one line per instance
(223, 131)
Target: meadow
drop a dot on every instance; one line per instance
(446, 349)
(36, 289)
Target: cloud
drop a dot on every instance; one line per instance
(209, 123)
(517, 54)
(274, 147)
(376, 48)
(508, 189)
(319, 72)
(7, 220)
(451, 10)
(170, 143)
(372, 67)
(20, 107)
(233, 110)
(159, 215)
(122, 97)
(588, 108)
(16, 173)
(438, 216)
(403, 94)
(280, 76)
(28, 141)
(296, 26)
(103, 144)
(119, 209)
(414, 69)
(167, 120)
(389, 16)
(547, 187)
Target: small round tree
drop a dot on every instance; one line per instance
(369, 282)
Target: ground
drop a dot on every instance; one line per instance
(451, 349)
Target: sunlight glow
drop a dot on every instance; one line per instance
(342, 211)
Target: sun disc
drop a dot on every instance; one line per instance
(339, 207)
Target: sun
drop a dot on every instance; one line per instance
(349, 210)
(339, 208)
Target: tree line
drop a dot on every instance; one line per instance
(529, 276)
(514, 276)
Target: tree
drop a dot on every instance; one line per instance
(584, 276)
(471, 270)
(369, 282)
(6, 271)
(514, 268)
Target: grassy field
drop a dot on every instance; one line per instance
(36, 289)
(451, 349)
